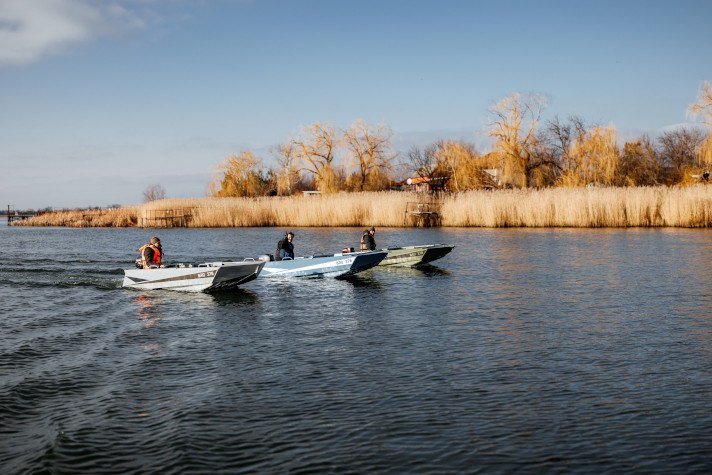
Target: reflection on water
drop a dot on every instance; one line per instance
(148, 311)
(366, 280)
(238, 297)
(427, 270)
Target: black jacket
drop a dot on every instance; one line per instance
(284, 249)
(369, 242)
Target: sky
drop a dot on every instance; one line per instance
(101, 99)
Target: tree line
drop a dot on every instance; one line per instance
(526, 152)
(321, 158)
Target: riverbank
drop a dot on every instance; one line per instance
(551, 207)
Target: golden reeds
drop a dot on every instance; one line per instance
(551, 207)
(119, 217)
(340, 209)
(581, 207)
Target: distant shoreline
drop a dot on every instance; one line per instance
(689, 207)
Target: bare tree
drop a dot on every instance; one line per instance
(597, 156)
(679, 151)
(315, 149)
(423, 162)
(638, 164)
(369, 149)
(153, 193)
(513, 127)
(239, 175)
(462, 164)
(703, 105)
(547, 170)
(705, 152)
(288, 178)
(562, 138)
(581, 154)
(428, 164)
(452, 162)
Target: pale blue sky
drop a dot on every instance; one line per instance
(100, 99)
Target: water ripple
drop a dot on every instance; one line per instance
(539, 355)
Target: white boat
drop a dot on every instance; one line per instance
(333, 265)
(410, 256)
(209, 276)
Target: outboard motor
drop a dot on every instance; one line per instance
(266, 258)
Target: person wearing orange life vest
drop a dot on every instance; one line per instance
(151, 253)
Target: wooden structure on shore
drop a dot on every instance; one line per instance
(165, 218)
(13, 215)
(424, 215)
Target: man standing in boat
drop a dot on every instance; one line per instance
(368, 241)
(151, 253)
(285, 247)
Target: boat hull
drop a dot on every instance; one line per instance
(410, 256)
(205, 277)
(337, 265)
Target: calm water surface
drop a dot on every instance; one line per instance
(523, 351)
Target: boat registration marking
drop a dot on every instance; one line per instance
(209, 273)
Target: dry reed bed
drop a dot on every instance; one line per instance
(582, 207)
(341, 209)
(95, 218)
(554, 207)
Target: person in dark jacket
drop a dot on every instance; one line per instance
(368, 241)
(285, 247)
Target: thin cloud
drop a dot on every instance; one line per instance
(31, 30)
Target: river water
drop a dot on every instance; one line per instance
(523, 351)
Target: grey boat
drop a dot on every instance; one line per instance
(410, 256)
(210, 276)
(333, 265)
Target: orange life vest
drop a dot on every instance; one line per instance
(155, 260)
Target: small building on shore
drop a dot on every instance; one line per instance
(423, 184)
(488, 178)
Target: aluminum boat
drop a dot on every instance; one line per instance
(210, 276)
(333, 265)
(410, 256)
